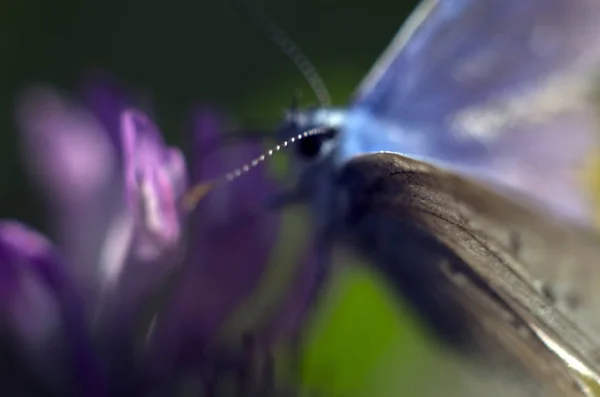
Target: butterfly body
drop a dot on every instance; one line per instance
(457, 172)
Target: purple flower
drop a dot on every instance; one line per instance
(134, 293)
(43, 316)
(233, 244)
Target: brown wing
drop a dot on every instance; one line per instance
(467, 259)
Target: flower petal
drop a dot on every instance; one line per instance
(155, 181)
(67, 149)
(44, 310)
(85, 206)
(122, 235)
(230, 247)
(106, 100)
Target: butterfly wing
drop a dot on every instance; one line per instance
(448, 245)
(500, 90)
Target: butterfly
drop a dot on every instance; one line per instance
(458, 171)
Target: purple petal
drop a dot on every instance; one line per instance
(40, 302)
(106, 99)
(66, 148)
(207, 129)
(155, 181)
(123, 232)
(229, 251)
(87, 209)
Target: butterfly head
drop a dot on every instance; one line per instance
(313, 156)
(311, 136)
(315, 147)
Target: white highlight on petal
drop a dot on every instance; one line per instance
(151, 207)
(115, 249)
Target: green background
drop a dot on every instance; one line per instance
(183, 52)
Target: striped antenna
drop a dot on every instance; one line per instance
(197, 192)
(280, 38)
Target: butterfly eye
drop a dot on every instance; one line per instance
(310, 147)
(314, 146)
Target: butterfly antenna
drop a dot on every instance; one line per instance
(197, 192)
(289, 48)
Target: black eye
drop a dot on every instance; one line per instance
(310, 147)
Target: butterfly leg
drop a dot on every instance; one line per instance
(320, 266)
(255, 376)
(321, 273)
(211, 382)
(283, 199)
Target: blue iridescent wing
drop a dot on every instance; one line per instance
(501, 90)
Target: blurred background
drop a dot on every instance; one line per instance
(182, 52)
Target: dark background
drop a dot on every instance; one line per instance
(181, 52)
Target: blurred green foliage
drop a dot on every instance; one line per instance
(183, 52)
(361, 346)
